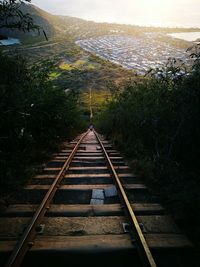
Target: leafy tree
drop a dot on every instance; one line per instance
(34, 116)
(11, 17)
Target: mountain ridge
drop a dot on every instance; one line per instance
(78, 28)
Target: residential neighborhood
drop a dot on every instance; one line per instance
(138, 53)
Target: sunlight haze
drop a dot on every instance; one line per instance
(141, 12)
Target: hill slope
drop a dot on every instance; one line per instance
(41, 18)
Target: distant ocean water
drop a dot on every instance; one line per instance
(188, 36)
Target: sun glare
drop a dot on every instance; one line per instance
(141, 12)
(152, 12)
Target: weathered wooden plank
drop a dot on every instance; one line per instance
(89, 142)
(98, 168)
(122, 175)
(85, 175)
(94, 162)
(84, 210)
(65, 187)
(96, 144)
(117, 242)
(96, 243)
(45, 176)
(80, 154)
(86, 186)
(82, 175)
(135, 186)
(87, 158)
(79, 151)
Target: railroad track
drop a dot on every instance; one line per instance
(86, 208)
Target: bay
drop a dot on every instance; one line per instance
(187, 36)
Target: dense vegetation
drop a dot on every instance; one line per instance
(156, 122)
(34, 116)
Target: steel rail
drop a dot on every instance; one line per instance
(143, 249)
(27, 239)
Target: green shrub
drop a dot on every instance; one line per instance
(34, 116)
(156, 122)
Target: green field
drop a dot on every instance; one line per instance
(75, 69)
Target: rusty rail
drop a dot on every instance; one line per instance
(27, 239)
(143, 249)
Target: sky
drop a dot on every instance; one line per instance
(185, 13)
